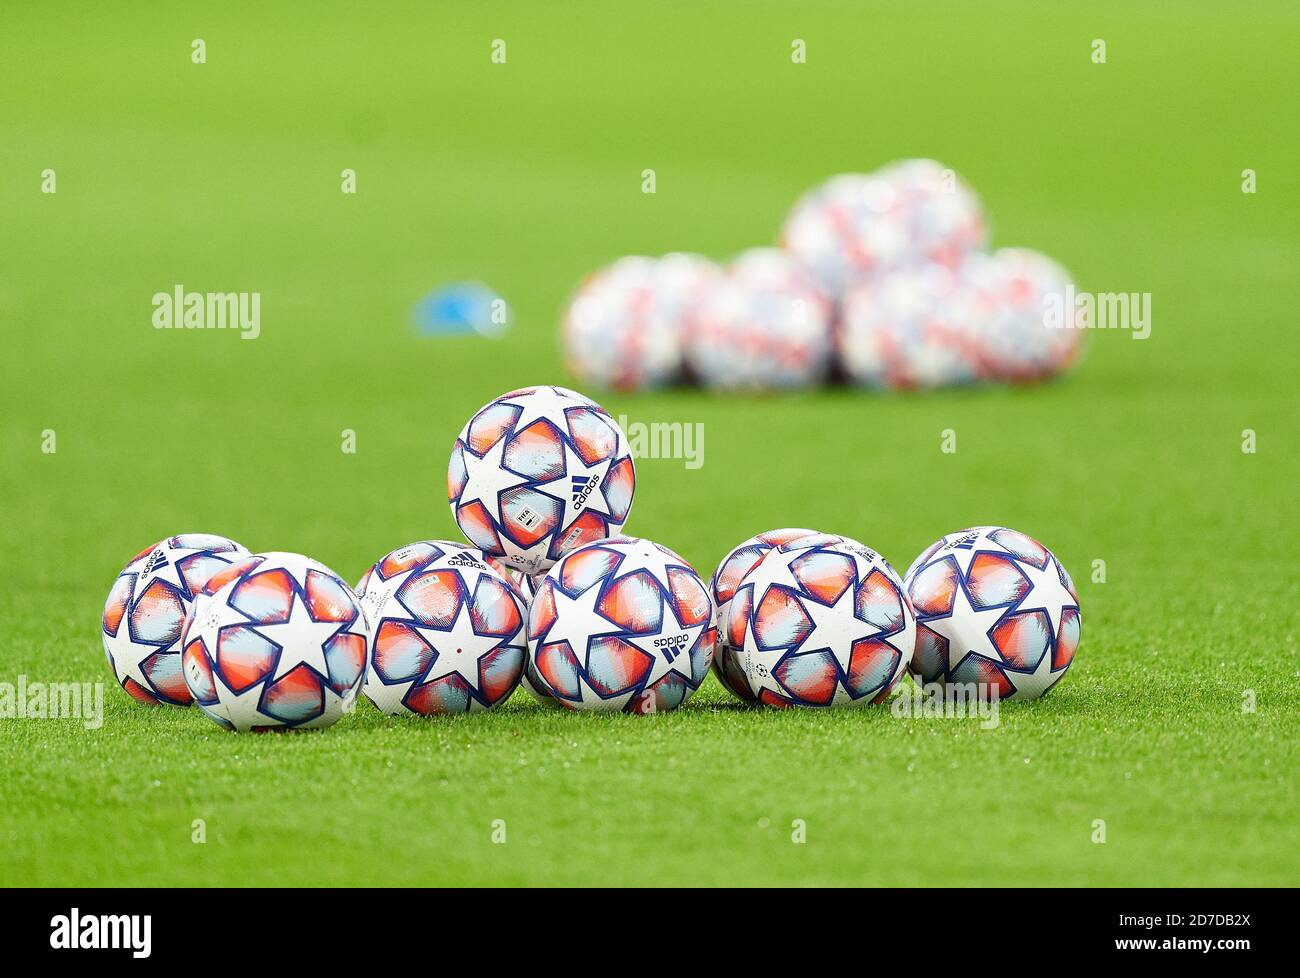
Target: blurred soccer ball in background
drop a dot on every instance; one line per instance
(911, 329)
(764, 326)
(626, 325)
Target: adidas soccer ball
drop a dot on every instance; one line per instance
(943, 218)
(912, 328)
(446, 631)
(146, 609)
(993, 606)
(763, 326)
(626, 325)
(406, 557)
(856, 227)
(821, 621)
(539, 472)
(527, 586)
(722, 587)
(1008, 295)
(278, 640)
(624, 624)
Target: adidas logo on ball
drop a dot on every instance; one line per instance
(465, 560)
(156, 559)
(582, 488)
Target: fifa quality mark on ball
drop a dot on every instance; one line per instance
(277, 641)
(446, 631)
(624, 624)
(731, 570)
(994, 607)
(146, 608)
(821, 621)
(539, 472)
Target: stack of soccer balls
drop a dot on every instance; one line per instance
(546, 592)
(816, 619)
(882, 279)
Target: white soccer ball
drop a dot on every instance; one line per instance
(821, 621)
(910, 329)
(278, 640)
(446, 631)
(856, 227)
(1017, 303)
(943, 217)
(993, 606)
(527, 586)
(146, 608)
(731, 570)
(626, 325)
(623, 624)
(539, 472)
(765, 325)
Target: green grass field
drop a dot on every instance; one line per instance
(226, 176)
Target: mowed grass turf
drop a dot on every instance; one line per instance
(226, 177)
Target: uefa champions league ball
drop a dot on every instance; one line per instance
(146, 609)
(993, 606)
(845, 231)
(406, 557)
(942, 217)
(857, 227)
(539, 472)
(738, 562)
(763, 326)
(527, 586)
(1018, 300)
(821, 621)
(276, 641)
(446, 631)
(623, 624)
(910, 329)
(626, 325)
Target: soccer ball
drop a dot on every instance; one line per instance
(146, 608)
(856, 227)
(993, 606)
(626, 325)
(527, 586)
(624, 624)
(539, 472)
(276, 641)
(1008, 294)
(912, 328)
(739, 561)
(942, 216)
(821, 621)
(446, 631)
(764, 325)
(405, 558)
